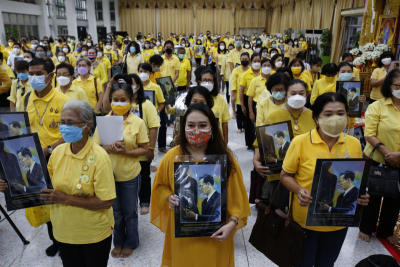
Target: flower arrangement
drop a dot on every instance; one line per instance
(367, 55)
(355, 51)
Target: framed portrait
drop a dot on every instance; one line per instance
(24, 167)
(352, 91)
(359, 134)
(14, 124)
(168, 88)
(151, 96)
(387, 29)
(337, 185)
(200, 187)
(273, 142)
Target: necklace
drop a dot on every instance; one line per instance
(295, 119)
(44, 112)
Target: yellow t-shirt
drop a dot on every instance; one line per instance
(256, 87)
(48, 111)
(8, 70)
(234, 56)
(225, 67)
(147, 54)
(90, 89)
(382, 119)
(132, 63)
(235, 82)
(221, 110)
(304, 123)
(74, 93)
(188, 53)
(321, 87)
(100, 72)
(301, 158)
(17, 92)
(184, 68)
(265, 108)
(106, 63)
(135, 132)
(170, 66)
(246, 79)
(158, 92)
(377, 74)
(91, 169)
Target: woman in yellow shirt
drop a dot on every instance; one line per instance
(276, 62)
(197, 127)
(264, 52)
(147, 52)
(382, 132)
(298, 70)
(69, 57)
(97, 69)
(379, 74)
(65, 77)
(124, 155)
(322, 243)
(314, 72)
(84, 191)
(327, 83)
(20, 86)
(133, 58)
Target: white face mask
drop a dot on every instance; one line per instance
(62, 80)
(27, 59)
(386, 61)
(65, 50)
(296, 101)
(33, 46)
(99, 54)
(208, 85)
(144, 76)
(16, 51)
(61, 58)
(278, 64)
(157, 43)
(222, 47)
(266, 70)
(108, 47)
(84, 53)
(396, 93)
(256, 65)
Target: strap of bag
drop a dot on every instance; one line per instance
(26, 100)
(141, 110)
(375, 148)
(95, 89)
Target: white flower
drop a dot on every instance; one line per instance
(382, 48)
(368, 47)
(359, 61)
(367, 55)
(376, 54)
(355, 51)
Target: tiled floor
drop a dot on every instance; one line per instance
(148, 254)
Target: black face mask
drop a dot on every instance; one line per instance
(168, 51)
(244, 63)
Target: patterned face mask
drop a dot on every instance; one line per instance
(198, 137)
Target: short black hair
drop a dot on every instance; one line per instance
(15, 124)
(254, 55)
(385, 55)
(25, 152)
(47, 64)
(275, 79)
(386, 89)
(347, 54)
(280, 134)
(134, 44)
(301, 55)
(285, 70)
(21, 65)
(343, 64)
(215, 90)
(202, 91)
(125, 80)
(353, 90)
(30, 53)
(296, 59)
(244, 54)
(348, 175)
(169, 42)
(156, 60)
(197, 73)
(297, 81)
(16, 43)
(265, 60)
(315, 60)
(329, 69)
(67, 66)
(207, 179)
(324, 99)
(146, 67)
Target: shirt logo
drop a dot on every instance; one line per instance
(85, 178)
(91, 159)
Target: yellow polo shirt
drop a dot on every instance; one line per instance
(170, 66)
(305, 121)
(90, 89)
(132, 63)
(74, 93)
(221, 110)
(321, 87)
(106, 63)
(377, 74)
(301, 158)
(265, 108)
(158, 92)
(184, 68)
(256, 87)
(135, 132)
(49, 109)
(246, 79)
(235, 82)
(147, 54)
(225, 68)
(234, 56)
(100, 72)
(382, 120)
(16, 93)
(91, 169)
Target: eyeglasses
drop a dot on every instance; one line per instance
(397, 86)
(69, 122)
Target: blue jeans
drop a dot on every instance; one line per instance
(321, 249)
(125, 207)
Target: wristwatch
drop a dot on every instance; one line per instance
(50, 149)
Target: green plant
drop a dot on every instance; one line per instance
(12, 32)
(300, 33)
(288, 32)
(356, 39)
(326, 42)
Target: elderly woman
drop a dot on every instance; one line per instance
(84, 190)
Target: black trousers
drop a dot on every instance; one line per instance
(181, 88)
(162, 132)
(145, 184)
(198, 61)
(86, 255)
(50, 231)
(239, 117)
(249, 130)
(228, 97)
(387, 219)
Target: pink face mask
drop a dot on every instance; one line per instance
(198, 137)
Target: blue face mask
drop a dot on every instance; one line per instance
(345, 76)
(79, 49)
(23, 76)
(132, 49)
(70, 134)
(238, 43)
(278, 95)
(181, 56)
(49, 54)
(38, 83)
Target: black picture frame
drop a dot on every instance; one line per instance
(151, 96)
(359, 134)
(348, 87)
(168, 88)
(272, 152)
(190, 188)
(334, 193)
(20, 194)
(14, 124)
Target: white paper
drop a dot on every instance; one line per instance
(110, 129)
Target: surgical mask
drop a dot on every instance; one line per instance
(296, 101)
(27, 59)
(23, 76)
(222, 47)
(33, 46)
(198, 137)
(132, 49)
(296, 70)
(71, 134)
(244, 63)
(238, 43)
(158, 43)
(333, 125)
(63, 81)
(38, 83)
(65, 50)
(256, 65)
(16, 51)
(330, 79)
(247, 46)
(49, 54)
(61, 58)
(144, 76)
(146, 46)
(120, 108)
(208, 85)
(386, 61)
(278, 64)
(345, 76)
(273, 45)
(40, 54)
(108, 47)
(266, 70)
(396, 93)
(82, 70)
(99, 54)
(181, 56)
(278, 95)
(264, 54)
(89, 44)
(84, 53)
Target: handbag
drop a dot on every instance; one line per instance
(383, 180)
(37, 216)
(279, 238)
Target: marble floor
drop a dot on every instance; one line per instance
(148, 254)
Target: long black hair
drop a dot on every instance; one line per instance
(140, 98)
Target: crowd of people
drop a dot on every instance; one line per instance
(63, 84)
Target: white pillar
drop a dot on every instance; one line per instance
(43, 21)
(70, 13)
(91, 17)
(116, 7)
(106, 15)
(2, 30)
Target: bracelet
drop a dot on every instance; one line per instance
(151, 148)
(378, 145)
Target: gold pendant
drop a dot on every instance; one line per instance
(296, 127)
